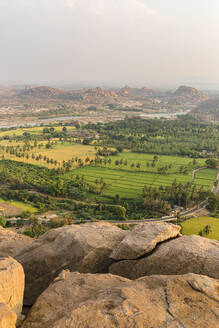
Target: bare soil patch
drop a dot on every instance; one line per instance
(11, 210)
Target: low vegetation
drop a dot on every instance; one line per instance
(198, 226)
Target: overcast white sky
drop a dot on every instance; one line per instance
(138, 42)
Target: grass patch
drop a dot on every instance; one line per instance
(128, 181)
(60, 152)
(32, 130)
(194, 225)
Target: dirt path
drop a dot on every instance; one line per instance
(214, 189)
(11, 210)
(195, 171)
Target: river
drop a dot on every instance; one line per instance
(84, 118)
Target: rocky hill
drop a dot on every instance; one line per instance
(209, 107)
(41, 92)
(68, 284)
(124, 97)
(138, 92)
(185, 94)
(87, 96)
(99, 95)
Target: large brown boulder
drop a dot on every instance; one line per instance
(178, 256)
(83, 248)
(76, 300)
(12, 242)
(11, 291)
(143, 238)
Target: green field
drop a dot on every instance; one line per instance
(205, 178)
(32, 130)
(128, 182)
(125, 174)
(194, 225)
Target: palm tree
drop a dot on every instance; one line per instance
(207, 230)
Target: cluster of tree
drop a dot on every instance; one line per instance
(176, 194)
(170, 137)
(213, 203)
(205, 231)
(22, 176)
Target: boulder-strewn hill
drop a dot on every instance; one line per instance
(185, 94)
(99, 95)
(41, 92)
(138, 92)
(125, 97)
(67, 278)
(152, 248)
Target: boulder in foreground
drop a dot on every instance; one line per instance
(83, 248)
(182, 255)
(12, 242)
(76, 300)
(143, 238)
(11, 291)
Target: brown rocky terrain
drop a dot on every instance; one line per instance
(41, 92)
(185, 94)
(11, 291)
(178, 256)
(84, 248)
(143, 238)
(99, 95)
(176, 278)
(152, 248)
(76, 300)
(127, 96)
(12, 243)
(139, 92)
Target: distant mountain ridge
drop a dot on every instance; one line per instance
(42, 91)
(150, 98)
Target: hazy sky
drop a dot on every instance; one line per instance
(148, 42)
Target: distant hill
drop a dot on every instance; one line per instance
(6, 92)
(149, 99)
(138, 92)
(99, 95)
(41, 92)
(185, 94)
(208, 108)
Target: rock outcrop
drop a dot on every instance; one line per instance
(189, 94)
(143, 238)
(12, 242)
(178, 256)
(11, 291)
(76, 300)
(83, 248)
